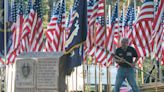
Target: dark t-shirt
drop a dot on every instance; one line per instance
(127, 55)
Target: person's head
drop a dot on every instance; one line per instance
(124, 42)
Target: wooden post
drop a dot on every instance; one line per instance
(84, 75)
(100, 81)
(89, 73)
(95, 78)
(105, 45)
(142, 76)
(107, 72)
(72, 81)
(160, 72)
(76, 78)
(108, 80)
(156, 87)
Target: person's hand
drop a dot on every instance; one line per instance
(112, 54)
(123, 60)
(120, 61)
(133, 64)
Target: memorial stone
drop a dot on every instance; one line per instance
(37, 72)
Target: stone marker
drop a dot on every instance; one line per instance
(38, 72)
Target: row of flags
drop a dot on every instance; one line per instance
(27, 31)
(55, 30)
(87, 32)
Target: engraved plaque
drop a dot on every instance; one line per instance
(25, 90)
(46, 90)
(47, 73)
(25, 73)
(35, 72)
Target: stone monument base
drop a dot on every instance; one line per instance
(38, 72)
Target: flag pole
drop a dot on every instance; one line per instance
(72, 76)
(135, 8)
(94, 37)
(5, 51)
(107, 68)
(95, 78)
(100, 77)
(87, 76)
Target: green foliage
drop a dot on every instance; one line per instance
(148, 64)
(69, 4)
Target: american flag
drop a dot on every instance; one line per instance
(29, 20)
(102, 52)
(14, 17)
(92, 9)
(114, 27)
(131, 20)
(26, 30)
(29, 7)
(158, 29)
(121, 25)
(100, 31)
(115, 24)
(113, 30)
(126, 21)
(36, 32)
(143, 28)
(55, 31)
(128, 26)
(17, 32)
(101, 5)
(51, 39)
(68, 22)
(100, 40)
(73, 15)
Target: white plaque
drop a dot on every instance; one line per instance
(42, 90)
(25, 73)
(47, 73)
(25, 90)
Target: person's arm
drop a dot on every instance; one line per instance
(136, 60)
(117, 60)
(135, 55)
